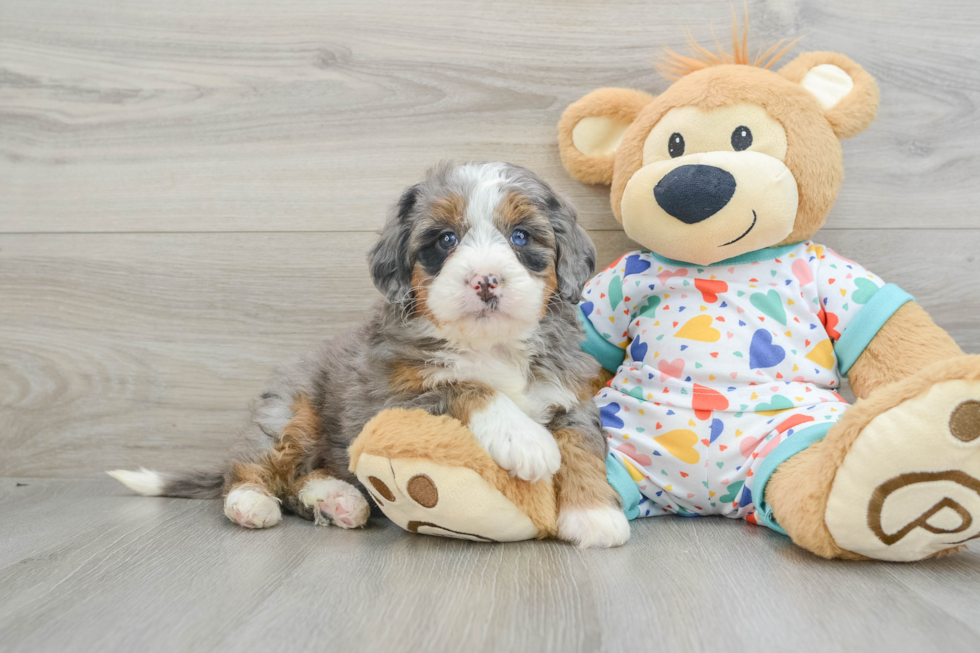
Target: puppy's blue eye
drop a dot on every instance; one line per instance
(519, 238)
(447, 240)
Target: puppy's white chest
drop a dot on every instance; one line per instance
(508, 372)
(536, 398)
(502, 373)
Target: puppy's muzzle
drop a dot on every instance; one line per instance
(486, 285)
(693, 193)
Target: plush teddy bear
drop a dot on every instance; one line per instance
(729, 333)
(727, 336)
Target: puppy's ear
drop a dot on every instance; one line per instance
(846, 92)
(576, 253)
(591, 129)
(391, 269)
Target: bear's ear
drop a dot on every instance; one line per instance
(591, 129)
(847, 93)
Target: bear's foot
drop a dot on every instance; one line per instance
(431, 499)
(429, 475)
(909, 485)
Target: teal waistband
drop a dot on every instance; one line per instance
(622, 482)
(793, 445)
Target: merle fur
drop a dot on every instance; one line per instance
(346, 379)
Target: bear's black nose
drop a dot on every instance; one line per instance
(693, 193)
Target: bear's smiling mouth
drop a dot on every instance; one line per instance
(751, 226)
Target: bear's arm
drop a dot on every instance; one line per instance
(905, 344)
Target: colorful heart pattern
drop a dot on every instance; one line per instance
(649, 309)
(706, 400)
(823, 354)
(866, 289)
(802, 272)
(722, 364)
(762, 353)
(670, 369)
(635, 264)
(638, 350)
(778, 404)
(710, 289)
(699, 328)
(610, 416)
(680, 444)
(615, 292)
(629, 449)
(771, 304)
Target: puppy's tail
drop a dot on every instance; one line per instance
(188, 485)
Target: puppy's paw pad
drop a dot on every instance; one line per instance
(335, 502)
(252, 508)
(599, 528)
(346, 511)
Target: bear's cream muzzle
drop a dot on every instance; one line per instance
(711, 206)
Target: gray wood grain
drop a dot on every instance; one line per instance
(118, 350)
(120, 573)
(312, 116)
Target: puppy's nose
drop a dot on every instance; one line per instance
(485, 284)
(693, 193)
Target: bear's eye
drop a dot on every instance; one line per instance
(675, 145)
(741, 138)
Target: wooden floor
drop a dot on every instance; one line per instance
(187, 193)
(85, 567)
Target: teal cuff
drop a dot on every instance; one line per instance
(867, 323)
(793, 445)
(609, 355)
(622, 482)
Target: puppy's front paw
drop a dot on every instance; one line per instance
(250, 506)
(528, 453)
(515, 441)
(599, 528)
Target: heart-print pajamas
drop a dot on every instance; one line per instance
(724, 371)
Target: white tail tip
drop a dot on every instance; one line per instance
(145, 482)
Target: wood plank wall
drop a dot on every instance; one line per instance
(188, 190)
